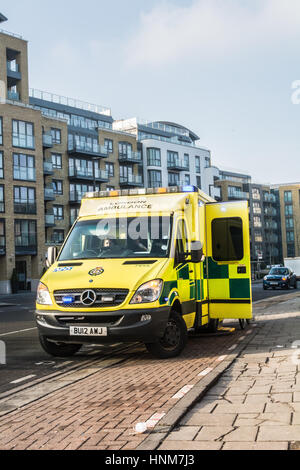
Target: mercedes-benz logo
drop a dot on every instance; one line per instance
(88, 297)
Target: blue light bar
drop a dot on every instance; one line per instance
(189, 189)
(68, 300)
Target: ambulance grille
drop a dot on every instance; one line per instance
(104, 298)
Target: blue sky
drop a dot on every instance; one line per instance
(224, 68)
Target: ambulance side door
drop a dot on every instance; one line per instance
(228, 263)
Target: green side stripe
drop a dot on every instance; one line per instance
(168, 286)
(239, 288)
(216, 271)
(184, 273)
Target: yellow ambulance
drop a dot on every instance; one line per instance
(146, 265)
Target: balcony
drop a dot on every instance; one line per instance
(132, 157)
(270, 198)
(26, 245)
(273, 226)
(47, 141)
(76, 196)
(49, 194)
(87, 174)
(238, 195)
(2, 246)
(131, 180)
(49, 220)
(24, 207)
(13, 95)
(269, 212)
(178, 165)
(88, 150)
(48, 168)
(23, 141)
(13, 71)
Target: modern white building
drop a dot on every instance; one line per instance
(172, 155)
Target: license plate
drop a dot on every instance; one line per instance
(274, 283)
(87, 331)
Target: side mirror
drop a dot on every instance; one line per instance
(196, 252)
(51, 256)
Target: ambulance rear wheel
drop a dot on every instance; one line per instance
(174, 340)
(59, 349)
(213, 326)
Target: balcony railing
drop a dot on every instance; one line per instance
(269, 198)
(2, 245)
(178, 165)
(131, 180)
(48, 168)
(270, 212)
(23, 141)
(49, 220)
(47, 141)
(25, 207)
(86, 173)
(2, 208)
(13, 67)
(26, 244)
(85, 149)
(49, 194)
(132, 157)
(13, 96)
(240, 195)
(76, 196)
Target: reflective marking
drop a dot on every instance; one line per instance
(19, 331)
(205, 372)
(233, 347)
(182, 392)
(152, 422)
(23, 379)
(221, 358)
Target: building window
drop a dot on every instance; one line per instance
(207, 162)
(198, 164)
(25, 233)
(154, 179)
(23, 134)
(1, 165)
(110, 168)
(58, 212)
(289, 222)
(74, 212)
(125, 149)
(174, 179)
(77, 191)
(172, 158)
(257, 222)
(24, 167)
(110, 188)
(258, 237)
(56, 136)
(109, 145)
(288, 196)
(199, 182)
(58, 236)
(126, 172)
(291, 253)
(153, 157)
(1, 131)
(290, 236)
(24, 200)
(82, 142)
(256, 194)
(186, 160)
(187, 179)
(57, 187)
(2, 237)
(288, 210)
(2, 205)
(57, 161)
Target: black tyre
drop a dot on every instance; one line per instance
(213, 326)
(296, 286)
(242, 324)
(265, 288)
(59, 349)
(174, 339)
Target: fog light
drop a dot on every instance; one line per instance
(41, 319)
(146, 317)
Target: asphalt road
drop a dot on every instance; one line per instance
(25, 359)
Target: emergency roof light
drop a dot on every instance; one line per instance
(142, 192)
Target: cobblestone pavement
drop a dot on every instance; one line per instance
(100, 410)
(256, 403)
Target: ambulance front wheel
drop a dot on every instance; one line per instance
(59, 349)
(174, 340)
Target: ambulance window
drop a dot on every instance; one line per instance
(181, 239)
(227, 239)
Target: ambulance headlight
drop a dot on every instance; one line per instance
(147, 293)
(43, 295)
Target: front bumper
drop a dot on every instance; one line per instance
(278, 283)
(128, 328)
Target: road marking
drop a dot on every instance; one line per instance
(152, 422)
(221, 358)
(205, 372)
(23, 379)
(242, 338)
(182, 392)
(233, 347)
(15, 332)
(249, 332)
(63, 364)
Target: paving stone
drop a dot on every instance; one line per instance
(190, 445)
(282, 397)
(239, 408)
(184, 433)
(208, 419)
(259, 390)
(263, 419)
(279, 433)
(255, 446)
(243, 433)
(213, 433)
(261, 399)
(282, 407)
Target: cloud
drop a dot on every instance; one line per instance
(211, 28)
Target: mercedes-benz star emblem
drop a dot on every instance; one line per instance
(88, 297)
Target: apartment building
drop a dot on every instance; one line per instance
(172, 155)
(264, 213)
(289, 197)
(53, 150)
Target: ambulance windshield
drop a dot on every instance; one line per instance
(134, 237)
